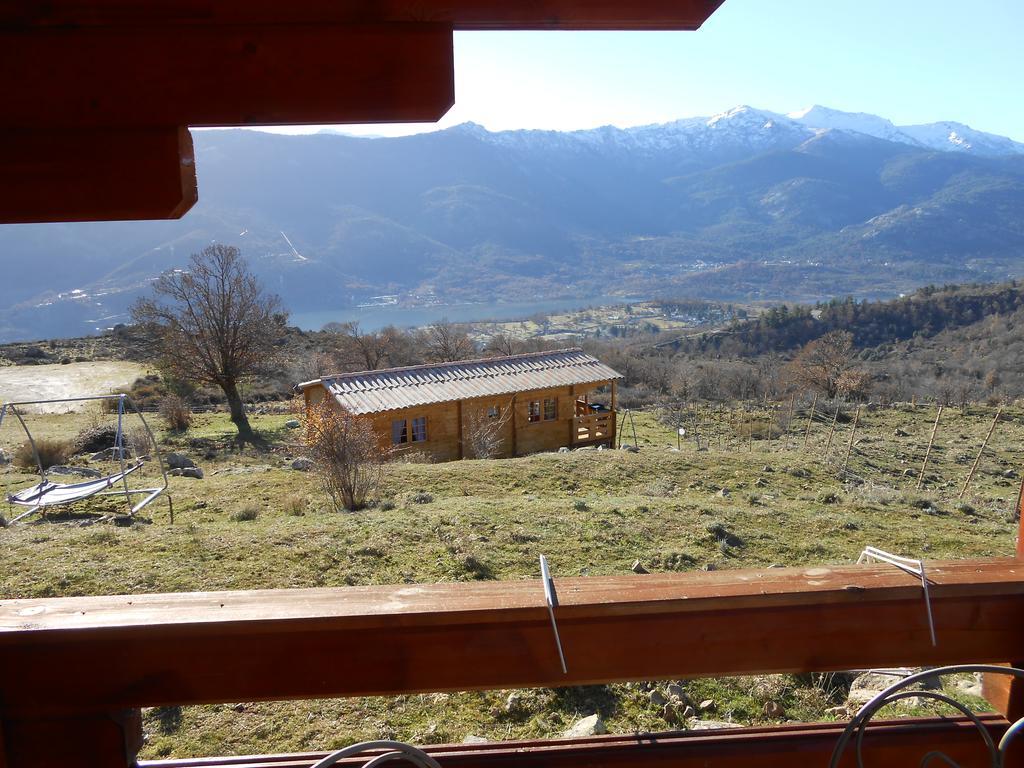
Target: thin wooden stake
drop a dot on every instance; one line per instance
(977, 459)
(928, 452)
(831, 431)
(853, 433)
(768, 428)
(750, 433)
(807, 432)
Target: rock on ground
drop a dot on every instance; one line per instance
(302, 464)
(591, 725)
(59, 469)
(194, 472)
(711, 725)
(292, 424)
(178, 461)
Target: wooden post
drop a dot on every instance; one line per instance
(768, 429)
(750, 433)
(928, 451)
(615, 395)
(831, 431)
(1006, 694)
(977, 459)
(810, 418)
(515, 420)
(462, 446)
(853, 434)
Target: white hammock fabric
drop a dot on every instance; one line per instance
(47, 494)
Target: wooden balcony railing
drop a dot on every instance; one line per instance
(76, 670)
(594, 427)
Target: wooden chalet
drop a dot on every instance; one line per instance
(541, 401)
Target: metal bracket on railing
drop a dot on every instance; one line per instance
(907, 565)
(552, 601)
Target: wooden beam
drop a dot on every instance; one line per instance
(463, 14)
(155, 76)
(86, 175)
(240, 646)
(887, 744)
(81, 740)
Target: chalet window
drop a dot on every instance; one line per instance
(493, 412)
(550, 409)
(399, 432)
(534, 412)
(419, 429)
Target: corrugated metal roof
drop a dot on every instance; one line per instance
(395, 388)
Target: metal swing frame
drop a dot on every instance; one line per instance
(38, 501)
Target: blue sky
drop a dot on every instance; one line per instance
(908, 60)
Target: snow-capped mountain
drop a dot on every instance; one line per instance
(746, 128)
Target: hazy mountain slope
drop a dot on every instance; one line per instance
(815, 203)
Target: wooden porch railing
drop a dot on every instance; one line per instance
(76, 670)
(594, 427)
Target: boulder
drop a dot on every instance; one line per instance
(628, 447)
(711, 725)
(474, 739)
(658, 698)
(178, 461)
(869, 684)
(292, 424)
(302, 464)
(592, 725)
(675, 690)
(194, 472)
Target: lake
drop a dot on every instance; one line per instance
(373, 318)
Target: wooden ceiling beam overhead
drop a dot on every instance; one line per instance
(226, 75)
(83, 175)
(462, 14)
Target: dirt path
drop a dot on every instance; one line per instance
(46, 382)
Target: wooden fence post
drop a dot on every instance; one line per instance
(977, 459)
(810, 418)
(928, 452)
(1005, 694)
(853, 434)
(831, 432)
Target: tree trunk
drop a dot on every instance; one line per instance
(238, 416)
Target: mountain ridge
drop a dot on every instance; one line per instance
(747, 204)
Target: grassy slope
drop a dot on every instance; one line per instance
(589, 512)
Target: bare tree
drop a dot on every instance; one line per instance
(446, 342)
(483, 430)
(363, 351)
(821, 362)
(346, 452)
(214, 323)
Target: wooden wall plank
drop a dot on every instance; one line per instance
(464, 14)
(235, 75)
(86, 175)
(215, 647)
(889, 744)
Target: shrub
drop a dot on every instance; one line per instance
(51, 453)
(294, 505)
(421, 497)
(176, 414)
(245, 514)
(347, 456)
(98, 437)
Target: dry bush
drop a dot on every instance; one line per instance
(176, 414)
(51, 453)
(347, 456)
(483, 433)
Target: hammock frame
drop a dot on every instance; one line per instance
(35, 497)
